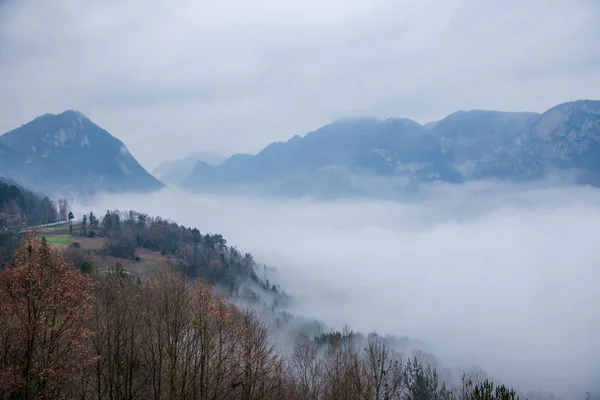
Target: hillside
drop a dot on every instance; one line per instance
(140, 244)
(68, 152)
(126, 287)
(166, 337)
(19, 206)
(17, 203)
(368, 156)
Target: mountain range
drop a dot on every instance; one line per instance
(369, 156)
(69, 153)
(353, 156)
(175, 171)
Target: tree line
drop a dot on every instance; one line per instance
(203, 255)
(19, 206)
(65, 334)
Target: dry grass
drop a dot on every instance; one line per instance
(87, 243)
(149, 261)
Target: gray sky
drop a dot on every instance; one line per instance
(228, 76)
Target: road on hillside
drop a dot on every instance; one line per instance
(29, 227)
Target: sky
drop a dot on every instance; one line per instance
(502, 277)
(170, 78)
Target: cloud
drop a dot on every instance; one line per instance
(234, 75)
(501, 276)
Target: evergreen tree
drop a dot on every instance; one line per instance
(84, 225)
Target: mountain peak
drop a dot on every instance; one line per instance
(72, 114)
(572, 120)
(582, 105)
(68, 149)
(67, 129)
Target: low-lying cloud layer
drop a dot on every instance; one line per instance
(502, 276)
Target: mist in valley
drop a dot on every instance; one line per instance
(500, 276)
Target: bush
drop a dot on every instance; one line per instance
(87, 266)
(122, 246)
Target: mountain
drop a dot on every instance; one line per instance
(176, 171)
(476, 139)
(69, 152)
(565, 138)
(369, 156)
(344, 157)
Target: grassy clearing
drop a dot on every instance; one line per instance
(149, 261)
(59, 239)
(147, 265)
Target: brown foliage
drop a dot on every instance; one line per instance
(165, 338)
(44, 305)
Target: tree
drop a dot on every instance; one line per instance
(84, 225)
(63, 209)
(93, 221)
(422, 382)
(384, 370)
(107, 221)
(44, 306)
(71, 217)
(122, 244)
(486, 391)
(118, 371)
(307, 369)
(50, 212)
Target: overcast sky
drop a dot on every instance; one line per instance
(172, 77)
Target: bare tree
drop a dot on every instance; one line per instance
(341, 369)
(383, 370)
(307, 369)
(258, 364)
(119, 371)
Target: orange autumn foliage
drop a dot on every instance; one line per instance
(44, 306)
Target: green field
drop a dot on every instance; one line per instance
(59, 239)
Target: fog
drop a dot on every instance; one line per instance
(501, 276)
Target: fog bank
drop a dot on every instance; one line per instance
(504, 276)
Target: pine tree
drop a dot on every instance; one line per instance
(84, 225)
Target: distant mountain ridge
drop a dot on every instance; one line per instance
(68, 152)
(175, 171)
(369, 156)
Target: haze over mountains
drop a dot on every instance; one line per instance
(349, 157)
(69, 153)
(368, 156)
(175, 171)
